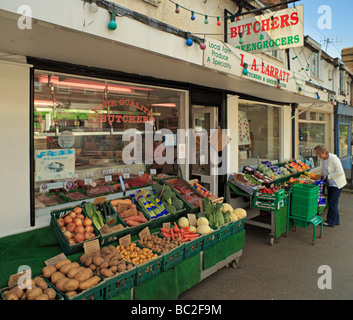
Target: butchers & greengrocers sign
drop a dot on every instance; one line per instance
(271, 31)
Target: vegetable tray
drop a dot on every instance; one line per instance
(172, 181)
(238, 226)
(119, 283)
(173, 257)
(225, 231)
(63, 242)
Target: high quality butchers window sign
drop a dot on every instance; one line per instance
(271, 31)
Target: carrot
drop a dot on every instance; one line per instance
(172, 234)
(165, 230)
(176, 228)
(167, 235)
(191, 236)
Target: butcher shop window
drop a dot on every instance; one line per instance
(79, 126)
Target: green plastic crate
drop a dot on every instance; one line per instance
(268, 204)
(193, 247)
(173, 257)
(209, 240)
(119, 283)
(303, 211)
(148, 270)
(276, 196)
(237, 226)
(305, 190)
(225, 231)
(95, 293)
(63, 242)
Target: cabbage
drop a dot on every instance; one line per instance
(202, 221)
(183, 222)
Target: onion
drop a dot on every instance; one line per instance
(87, 235)
(72, 241)
(80, 216)
(78, 210)
(79, 237)
(78, 222)
(68, 234)
(72, 214)
(67, 219)
(79, 229)
(89, 229)
(63, 229)
(87, 222)
(61, 222)
(71, 227)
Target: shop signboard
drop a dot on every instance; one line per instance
(270, 31)
(224, 57)
(54, 164)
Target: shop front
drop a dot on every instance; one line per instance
(344, 136)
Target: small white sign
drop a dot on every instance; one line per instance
(141, 173)
(181, 151)
(126, 175)
(88, 181)
(153, 171)
(108, 178)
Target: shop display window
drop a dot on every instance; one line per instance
(343, 140)
(310, 135)
(259, 133)
(79, 126)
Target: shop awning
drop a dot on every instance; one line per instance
(134, 48)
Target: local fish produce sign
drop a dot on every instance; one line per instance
(54, 164)
(271, 31)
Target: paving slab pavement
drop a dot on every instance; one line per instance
(288, 270)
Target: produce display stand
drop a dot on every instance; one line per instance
(196, 264)
(278, 217)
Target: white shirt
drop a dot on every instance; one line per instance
(335, 170)
(325, 172)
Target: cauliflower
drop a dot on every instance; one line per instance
(226, 207)
(241, 213)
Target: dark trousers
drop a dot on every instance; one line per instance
(333, 195)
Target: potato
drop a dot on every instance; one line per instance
(40, 283)
(93, 267)
(60, 283)
(71, 293)
(129, 266)
(114, 268)
(104, 265)
(84, 257)
(48, 271)
(98, 260)
(17, 291)
(61, 263)
(121, 267)
(89, 283)
(83, 275)
(74, 271)
(56, 276)
(71, 285)
(42, 297)
(108, 257)
(65, 268)
(11, 296)
(107, 273)
(114, 262)
(33, 294)
(50, 293)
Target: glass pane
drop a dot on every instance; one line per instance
(79, 124)
(202, 126)
(313, 116)
(352, 137)
(321, 116)
(302, 116)
(259, 131)
(343, 141)
(310, 135)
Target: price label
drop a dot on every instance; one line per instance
(91, 247)
(141, 173)
(125, 241)
(108, 178)
(144, 233)
(88, 181)
(153, 171)
(192, 219)
(127, 169)
(54, 260)
(126, 175)
(166, 225)
(99, 200)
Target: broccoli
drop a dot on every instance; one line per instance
(171, 209)
(167, 195)
(157, 188)
(178, 204)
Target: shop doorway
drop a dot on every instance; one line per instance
(204, 119)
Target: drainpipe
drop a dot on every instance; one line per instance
(294, 107)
